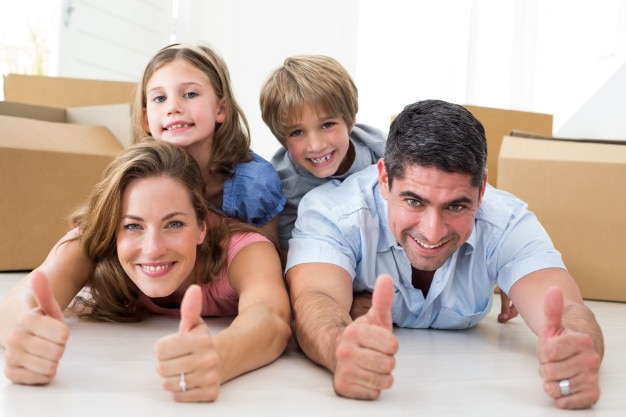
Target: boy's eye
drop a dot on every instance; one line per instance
(190, 94)
(328, 125)
(297, 132)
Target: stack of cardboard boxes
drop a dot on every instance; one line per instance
(58, 135)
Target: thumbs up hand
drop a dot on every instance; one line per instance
(569, 364)
(366, 351)
(187, 361)
(36, 344)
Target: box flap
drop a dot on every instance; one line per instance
(37, 135)
(116, 117)
(50, 114)
(553, 149)
(65, 92)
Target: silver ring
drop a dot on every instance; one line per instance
(183, 385)
(564, 387)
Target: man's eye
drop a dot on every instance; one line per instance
(456, 208)
(413, 203)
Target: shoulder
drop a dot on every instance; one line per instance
(240, 240)
(370, 136)
(499, 208)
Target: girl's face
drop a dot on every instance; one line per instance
(181, 106)
(320, 143)
(157, 236)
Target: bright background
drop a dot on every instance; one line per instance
(564, 58)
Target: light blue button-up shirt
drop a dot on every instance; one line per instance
(345, 224)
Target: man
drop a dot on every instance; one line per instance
(425, 221)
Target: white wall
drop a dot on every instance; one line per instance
(553, 56)
(254, 37)
(548, 56)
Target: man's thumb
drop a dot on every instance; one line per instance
(382, 300)
(553, 311)
(190, 309)
(44, 296)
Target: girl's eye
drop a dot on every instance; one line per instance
(190, 94)
(158, 99)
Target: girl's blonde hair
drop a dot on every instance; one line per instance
(113, 295)
(231, 142)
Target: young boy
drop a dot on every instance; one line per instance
(310, 105)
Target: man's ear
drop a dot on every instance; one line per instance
(383, 178)
(482, 187)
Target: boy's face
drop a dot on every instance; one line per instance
(319, 143)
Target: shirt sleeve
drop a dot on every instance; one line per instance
(254, 194)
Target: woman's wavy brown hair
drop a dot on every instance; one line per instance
(231, 142)
(113, 296)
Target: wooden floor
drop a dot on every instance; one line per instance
(490, 370)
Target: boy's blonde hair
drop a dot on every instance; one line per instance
(231, 142)
(316, 80)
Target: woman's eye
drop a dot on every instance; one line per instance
(176, 224)
(132, 226)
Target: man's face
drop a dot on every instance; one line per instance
(431, 212)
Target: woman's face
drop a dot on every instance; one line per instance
(158, 235)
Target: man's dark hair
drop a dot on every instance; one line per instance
(438, 134)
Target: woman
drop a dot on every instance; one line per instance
(156, 248)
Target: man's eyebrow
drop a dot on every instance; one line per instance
(455, 202)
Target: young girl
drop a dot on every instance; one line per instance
(156, 248)
(185, 98)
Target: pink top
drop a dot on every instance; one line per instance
(220, 299)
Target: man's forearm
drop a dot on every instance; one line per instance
(319, 322)
(579, 318)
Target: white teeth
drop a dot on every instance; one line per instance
(426, 245)
(155, 268)
(178, 126)
(320, 160)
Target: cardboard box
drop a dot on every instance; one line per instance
(65, 92)
(500, 122)
(576, 189)
(58, 135)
